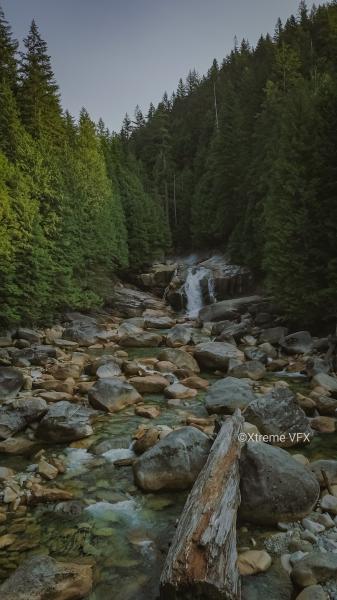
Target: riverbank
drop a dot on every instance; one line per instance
(90, 409)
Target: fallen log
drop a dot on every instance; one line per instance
(201, 562)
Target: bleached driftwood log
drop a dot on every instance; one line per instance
(201, 562)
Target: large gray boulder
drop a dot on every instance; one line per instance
(19, 414)
(11, 382)
(112, 394)
(65, 422)
(30, 335)
(220, 310)
(228, 394)
(158, 322)
(140, 339)
(174, 462)
(274, 486)
(278, 414)
(43, 578)
(180, 335)
(216, 355)
(297, 343)
(85, 333)
(180, 358)
(273, 335)
(252, 369)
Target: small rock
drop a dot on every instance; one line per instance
(254, 561)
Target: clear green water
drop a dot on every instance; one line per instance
(111, 524)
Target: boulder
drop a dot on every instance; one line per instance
(313, 592)
(149, 384)
(297, 343)
(18, 415)
(65, 370)
(195, 382)
(252, 369)
(65, 422)
(82, 329)
(165, 322)
(256, 354)
(315, 567)
(102, 361)
(11, 382)
(216, 355)
(19, 446)
(43, 578)
(147, 411)
(180, 358)
(180, 335)
(325, 381)
(33, 337)
(220, 310)
(141, 339)
(129, 302)
(252, 562)
(178, 390)
(228, 394)
(174, 462)
(278, 414)
(112, 395)
(273, 335)
(274, 584)
(274, 487)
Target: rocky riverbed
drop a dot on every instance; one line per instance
(107, 419)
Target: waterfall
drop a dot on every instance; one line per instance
(193, 290)
(211, 289)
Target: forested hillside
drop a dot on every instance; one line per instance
(73, 209)
(242, 159)
(245, 158)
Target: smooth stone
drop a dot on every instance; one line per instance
(252, 369)
(65, 422)
(329, 503)
(252, 562)
(177, 390)
(149, 384)
(274, 584)
(180, 358)
(11, 382)
(226, 395)
(313, 592)
(216, 355)
(180, 335)
(112, 395)
(325, 381)
(315, 567)
(195, 382)
(148, 412)
(297, 343)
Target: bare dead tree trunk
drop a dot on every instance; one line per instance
(201, 562)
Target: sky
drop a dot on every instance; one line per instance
(109, 55)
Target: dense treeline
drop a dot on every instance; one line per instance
(73, 208)
(245, 159)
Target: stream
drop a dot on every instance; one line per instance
(111, 524)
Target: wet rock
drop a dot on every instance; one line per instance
(102, 361)
(141, 339)
(253, 369)
(11, 382)
(177, 390)
(173, 463)
(278, 414)
(314, 568)
(148, 439)
(252, 562)
(315, 365)
(40, 493)
(274, 487)
(65, 422)
(31, 336)
(220, 310)
(55, 396)
(256, 354)
(228, 394)
(42, 578)
(17, 446)
(180, 358)
(323, 424)
(180, 335)
(297, 343)
(149, 384)
(195, 382)
(47, 470)
(216, 355)
(325, 381)
(66, 370)
(273, 335)
(112, 395)
(148, 412)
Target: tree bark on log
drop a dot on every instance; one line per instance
(201, 562)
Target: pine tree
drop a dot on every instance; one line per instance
(8, 50)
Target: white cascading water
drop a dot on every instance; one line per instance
(193, 290)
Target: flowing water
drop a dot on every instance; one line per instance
(193, 289)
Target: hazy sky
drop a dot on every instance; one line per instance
(109, 55)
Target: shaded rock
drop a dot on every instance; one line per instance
(55, 396)
(329, 503)
(149, 384)
(164, 322)
(148, 412)
(11, 382)
(141, 339)
(256, 354)
(6, 473)
(129, 302)
(178, 390)
(220, 310)
(323, 424)
(234, 330)
(174, 462)
(33, 337)
(324, 404)
(274, 487)
(253, 369)
(313, 592)
(314, 568)
(109, 369)
(180, 358)
(195, 382)
(147, 440)
(297, 343)
(112, 395)
(180, 335)
(278, 414)
(273, 335)
(65, 422)
(216, 355)
(275, 584)
(17, 446)
(315, 365)
(66, 370)
(16, 417)
(226, 395)
(113, 364)
(83, 330)
(43, 578)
